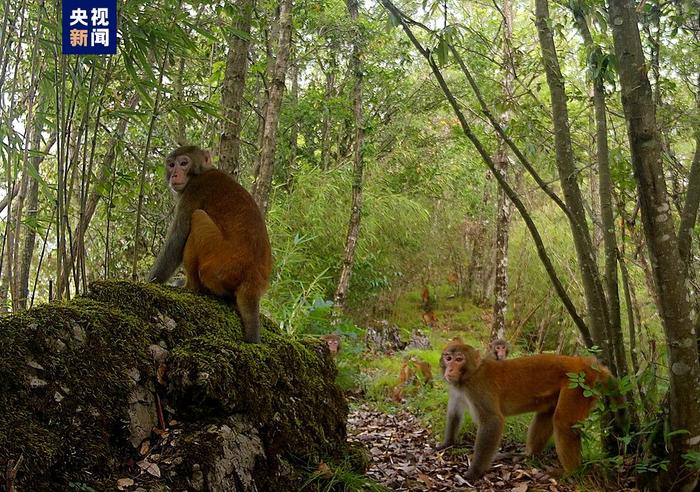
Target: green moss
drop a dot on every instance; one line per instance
(68, 370)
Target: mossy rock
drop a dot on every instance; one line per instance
(70, 372)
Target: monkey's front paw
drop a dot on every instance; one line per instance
(472, 475)
(443, 446)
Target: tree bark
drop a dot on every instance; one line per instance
(263, 182)
(341, 290)
(233, 90)
(503, 210)
(667, 264)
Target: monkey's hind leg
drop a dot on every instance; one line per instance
(202, 255)
(539, 432)
(248, 303)
(572, 407)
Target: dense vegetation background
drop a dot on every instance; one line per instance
(370, 135)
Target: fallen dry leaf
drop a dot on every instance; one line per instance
(324, 470)
(145, 448)
(150, 468)
(124, 483)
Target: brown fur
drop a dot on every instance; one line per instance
(219, 234)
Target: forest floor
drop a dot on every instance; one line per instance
(403, 457)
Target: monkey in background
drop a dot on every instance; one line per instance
(498, 349)
(333, 342)
(492, 390)
(219, 234)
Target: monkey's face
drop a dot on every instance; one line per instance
(178, 169)
(458, 362)
(500, 351)
(333, 346)
(183, 163)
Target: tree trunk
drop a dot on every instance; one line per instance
(692, 196)
(341, 290)
(667, 264)
(605, 198)
(294, 130)
(263, 182)
(503, 209)
(592, 286)
(32, 206)
(330, 70)
(233, 90)
(105, 172)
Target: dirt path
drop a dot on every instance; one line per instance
(404, 458)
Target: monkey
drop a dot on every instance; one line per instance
(218, 233)
(406, 375)
(492, 390)
(425, 299)
(425, 369)
(498, 349)
(430, 319)
(333, 342)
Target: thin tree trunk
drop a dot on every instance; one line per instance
(294, 130)
(181, 132)
(341, 290)
(146, 151)
(667, 264)
(605, 197)
(592, 287)
(106, 170)
(10, 246)
(692, 197)
(263, 183)
(503, 209)
(329, 73)
(631, 325)
(233, 90)
(272, 39)
(594, 190)
(32, 207)
(59, 81)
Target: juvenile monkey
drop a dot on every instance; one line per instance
(333, 342)
(493, 390)
(218, 233)
(498, 349)
(425, 370)
(430, 319)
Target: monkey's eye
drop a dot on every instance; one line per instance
(447, 357)
(171, 164)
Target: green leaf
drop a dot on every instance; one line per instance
(443, 52)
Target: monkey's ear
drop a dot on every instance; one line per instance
(477, 358)
(206, 163)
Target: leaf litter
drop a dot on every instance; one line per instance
(403, 457)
